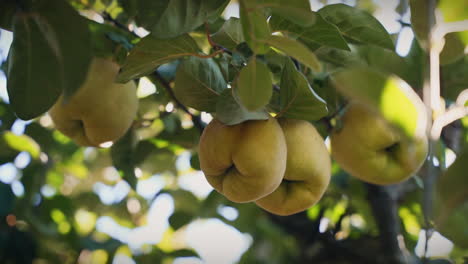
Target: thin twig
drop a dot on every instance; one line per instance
(195, 119)
(213, 44)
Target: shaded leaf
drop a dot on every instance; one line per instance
(230, 112)
(254, 85)
(454, 48)
(7, 11)
(179, 219)
(122, 154)
(150, 53)
(296, 50)
(183, 253)
(33, 83)
(198, 83)
(297, 99)
(320, 33)
(420, 20)
(8, 199)
(230, 35)
(357, 25)
(74, 51)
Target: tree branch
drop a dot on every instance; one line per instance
(384, 209)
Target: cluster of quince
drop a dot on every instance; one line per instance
(282, 165)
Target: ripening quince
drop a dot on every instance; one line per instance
(244, 162)
(369, 148)
(308, 170)
(101, 110)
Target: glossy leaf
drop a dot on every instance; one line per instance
(198, 83)
(151, 52)
(230, 35)
(357, 25)
(230, 112)
(297, 98)
(387, 94)
(254, 26)
(254, 85)
(296, 50)
(320, 33)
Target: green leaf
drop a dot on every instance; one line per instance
(230, 112)
(386, 60)
(198, 83)
(108, 40)
(296, 50)
(386, 94)
(298, 11)
(151, 52)
(148, 13)
(183, 253)
(454, 78)
(7, 11)
(74, 59)
(179, 219)
(454, 48)
(122, 154)
(22, 143)
(357, 25)
(453, 10)
(7, 116)
(254, 85)
(420, 20)
(8, 199)
(320, 33)
(297, 99)
(254, 26)
(180, 16)
(338, 57)
(230, 35)
(33, 83)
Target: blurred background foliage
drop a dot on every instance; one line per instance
(146, 201)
